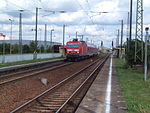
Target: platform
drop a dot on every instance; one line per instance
(104, 96)
(13, 68)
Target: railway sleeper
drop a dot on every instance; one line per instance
(70, 106)
(46, 107)
(50, 103)
(39, 111)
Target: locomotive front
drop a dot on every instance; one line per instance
(77, 50)
(72, 50)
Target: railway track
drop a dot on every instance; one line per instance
(66, 95)
(32, 72)
(23, 67)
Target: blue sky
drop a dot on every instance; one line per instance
(83, 16)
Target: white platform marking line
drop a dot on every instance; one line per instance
(108, 91)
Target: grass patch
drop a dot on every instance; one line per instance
(26, 61)
(135, 89)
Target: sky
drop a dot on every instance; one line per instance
(96, 20)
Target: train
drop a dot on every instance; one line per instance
(78, 50)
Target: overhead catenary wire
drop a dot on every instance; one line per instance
(21, 8)
(88, 4)
(86, 12)
(33, 12)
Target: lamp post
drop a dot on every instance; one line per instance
(51, 39)
(10, 32)
(145, 62)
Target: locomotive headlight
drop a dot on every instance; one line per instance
(76, 49)
(69, 49)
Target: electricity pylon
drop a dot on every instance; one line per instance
(139, 32)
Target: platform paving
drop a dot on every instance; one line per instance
(95, 99)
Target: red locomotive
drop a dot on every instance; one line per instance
(76, 50)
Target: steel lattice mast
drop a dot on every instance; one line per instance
(139, 32)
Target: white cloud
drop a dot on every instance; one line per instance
(107, 5)
(3, 4)
(146, 3)
(77, 17)
(4, 17)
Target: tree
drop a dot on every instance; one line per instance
(32, 46)
(15, 48)
(42, 49)
(7, 48)
(130, 54)
(1, 48)
(26, 48)
(48, 49)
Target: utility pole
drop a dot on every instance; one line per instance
(36, 34)
(20, 32)
(51, 39)
(36, 22)
(63, 36)
(40, 38)
(45, 38)
(76, 34)
(101, 44)
(121, 34)
(87, 40)
(112, 44)
(118, 37)
(145, 60)
(10, 33)
(3, 61)
(82, 37)
(130, 31)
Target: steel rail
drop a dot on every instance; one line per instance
(82, 85)
(33, 74)
(15, 68)
(30, 70)
(52, 88)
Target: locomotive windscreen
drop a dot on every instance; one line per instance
(73, 45)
